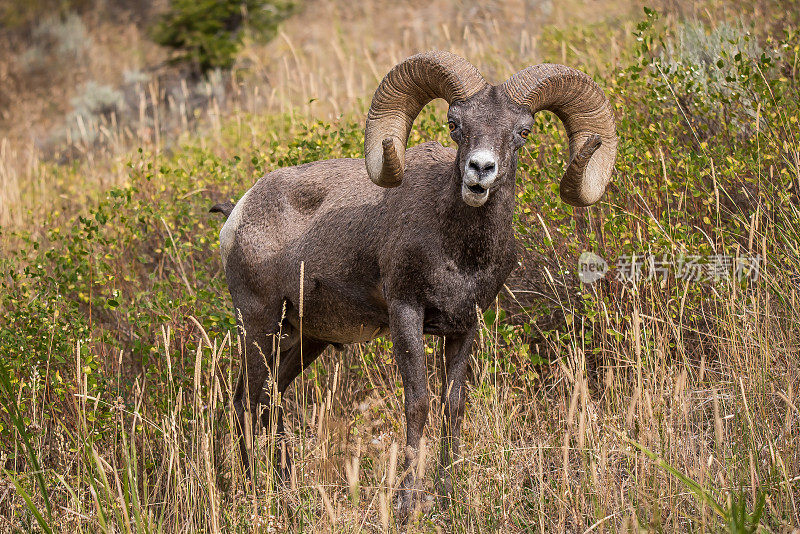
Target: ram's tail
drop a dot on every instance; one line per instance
(223, 207)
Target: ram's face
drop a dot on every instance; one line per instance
(489, 130)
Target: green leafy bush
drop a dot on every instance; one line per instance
(208, 32)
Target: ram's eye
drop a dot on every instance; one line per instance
(525, 133)
(451, 126)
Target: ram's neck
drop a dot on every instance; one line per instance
(476, 235)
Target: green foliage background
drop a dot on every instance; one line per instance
(208, 33)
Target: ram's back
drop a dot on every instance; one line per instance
(286, 203)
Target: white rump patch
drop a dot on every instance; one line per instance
(227, 235)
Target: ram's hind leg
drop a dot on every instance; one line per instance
(291, 363)
(257, 327)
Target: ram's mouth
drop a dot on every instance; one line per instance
(474, 195)
(477, 189)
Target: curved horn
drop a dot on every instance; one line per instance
(586, 113)
(398, 100)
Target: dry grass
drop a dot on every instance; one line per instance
(336, 53)
(565, 452)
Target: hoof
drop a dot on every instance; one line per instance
(407, 508)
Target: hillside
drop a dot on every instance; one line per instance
(660, 402)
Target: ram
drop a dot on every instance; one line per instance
(412, 243)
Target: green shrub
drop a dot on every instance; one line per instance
(208, 32)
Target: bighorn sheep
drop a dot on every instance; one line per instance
(409, 244)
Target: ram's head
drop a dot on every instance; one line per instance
(490, 123)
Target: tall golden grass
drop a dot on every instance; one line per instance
(571, 451)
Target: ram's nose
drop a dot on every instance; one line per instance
(481, 168)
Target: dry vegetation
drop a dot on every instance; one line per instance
(658, 406)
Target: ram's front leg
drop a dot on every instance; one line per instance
(405, 323)
(457, 349)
